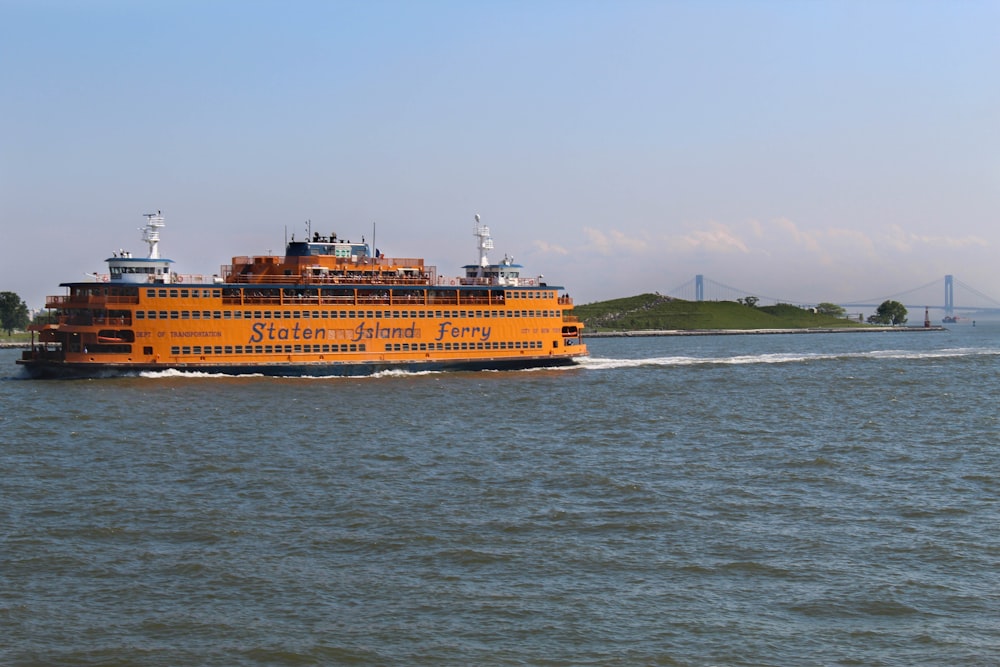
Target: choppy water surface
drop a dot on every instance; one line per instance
(827, 499)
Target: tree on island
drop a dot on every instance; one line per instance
(831, 309)
(13, 312)
(748, 301)
(889, 312)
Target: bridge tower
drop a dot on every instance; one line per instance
(949, 296)
(699, 287)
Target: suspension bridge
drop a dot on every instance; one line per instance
(930, 295)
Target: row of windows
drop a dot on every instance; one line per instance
(184, 293)
(335, 314)
(351, 347)
(196, 293)
(489, 345)
(266, 349)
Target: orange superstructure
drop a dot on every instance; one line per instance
(326, 307)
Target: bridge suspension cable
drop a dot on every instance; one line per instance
(897, 296)
(977, 292)
(693, 290)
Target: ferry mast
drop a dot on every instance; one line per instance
(482, 232)
(151, 233)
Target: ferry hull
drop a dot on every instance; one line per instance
(61, 370)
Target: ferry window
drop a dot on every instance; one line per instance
(227, 314)
(186, 350)
(175, 350)
(173, 294)
(174, 315)
(197, 349)
(258, 349)
(185, 315)
(370, 314)
(150, 293)
(229, 349)
(184, 293)
(288, 349)
(216, 293)
(217, 349)
(140, 314)
(237, 314)
(147, 349)
(353, 348)
(216, 314)
(298, 348)
(268, 349)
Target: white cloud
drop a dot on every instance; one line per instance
(614, 242)
(718, 238)
(547, 248)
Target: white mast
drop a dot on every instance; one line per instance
(482, 232)
(151, 233)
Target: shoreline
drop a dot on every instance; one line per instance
(750, 332)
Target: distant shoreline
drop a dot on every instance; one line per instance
(748, 332)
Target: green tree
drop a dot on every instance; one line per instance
(889, 312)
(13, 312)
(830, 309)
(748, 301)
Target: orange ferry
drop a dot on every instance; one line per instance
(327, 307)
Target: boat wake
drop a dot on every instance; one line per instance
(174, 373)
(606, 363)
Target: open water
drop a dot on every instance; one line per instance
(826, 499)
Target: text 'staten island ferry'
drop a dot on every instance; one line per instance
(327, 307)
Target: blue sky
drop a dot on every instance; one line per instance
(813, 151)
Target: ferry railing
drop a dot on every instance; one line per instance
(359, 279)
(89, 320)
(81, 300)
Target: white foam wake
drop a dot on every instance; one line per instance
(605, 363)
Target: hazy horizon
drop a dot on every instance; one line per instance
(815, 151)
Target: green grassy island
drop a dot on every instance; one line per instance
(656, 312)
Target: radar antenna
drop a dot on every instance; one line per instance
(151, 233)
